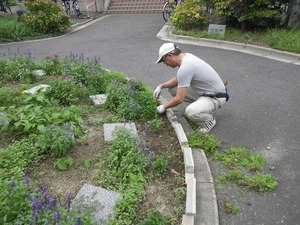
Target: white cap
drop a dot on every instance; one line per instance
(165, 49)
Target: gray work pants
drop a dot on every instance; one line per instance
(199, 109)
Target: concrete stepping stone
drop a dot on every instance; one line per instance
(110, 127)
(98, 99)
(36, 88)
(100, 199)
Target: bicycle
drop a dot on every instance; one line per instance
(169, 7)
(75, 6)
(4, 7)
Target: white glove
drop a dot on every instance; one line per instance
(157, 92)
(161, 109)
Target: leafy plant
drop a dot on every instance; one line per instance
(249, 13)
(22, 203)
(258, 182)
(11, 30)
(154, 217)
(46, 17)
(155, 124)
(240, 157)
(56, 140)
(63, 163)
(207, 142)
(15, 158)
(189, 15)
(131, 100)
(229, 208)
(160, 166)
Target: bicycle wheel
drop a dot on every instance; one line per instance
(167, 11)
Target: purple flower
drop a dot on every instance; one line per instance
(69, 201)
(57, 216)
(26, 180)
(13, 184)
(78, 222)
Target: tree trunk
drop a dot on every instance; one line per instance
(293, 14)
(244, 27)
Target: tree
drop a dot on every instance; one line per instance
(293, 14)
(250, 13)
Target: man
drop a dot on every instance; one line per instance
(196, 83)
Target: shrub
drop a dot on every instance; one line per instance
(189, 15)
(21, 203)
(9, 96)
(131, 100)
(46, 17)
(11, 30)
(56, 140)
(15, 159)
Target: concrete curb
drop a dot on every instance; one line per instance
(166, 34)
(201, 201)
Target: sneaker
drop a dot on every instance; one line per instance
(208, 126)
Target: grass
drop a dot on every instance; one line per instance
(280, 39)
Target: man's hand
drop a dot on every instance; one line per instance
(161, 109)
(157, 92)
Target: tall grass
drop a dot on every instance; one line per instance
(12, 30)
(281, 39)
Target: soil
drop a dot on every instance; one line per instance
(159, 191)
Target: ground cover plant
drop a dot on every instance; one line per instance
(53, 138)
(243, 168)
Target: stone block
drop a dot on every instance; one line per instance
(36, 88)
(110, 127)
(216, 30)
(98, 99)
(188, 160)
(190, 206)
(180, 134)
(102, 201)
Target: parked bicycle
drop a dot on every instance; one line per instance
(4, 7)
(66, 6)
(169, 7)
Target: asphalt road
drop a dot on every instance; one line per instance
(262, 112)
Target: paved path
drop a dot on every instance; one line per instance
(262, 112)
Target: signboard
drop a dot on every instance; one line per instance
(216, 30)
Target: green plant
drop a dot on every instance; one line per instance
(12, 30)
(87, 163)
(229, 208)
(46, 17)
(180, 193)
(22, 203)
(240, 157)
(18, 68)
(160, 166)
(207, 142)
(16, 157)
(249, 13)
(258, 182)
(64, 163)
(154, 217)
(9, 96)
(131, 100)
(66, 91)
(189, 15)
(56, 140)
(155, 124)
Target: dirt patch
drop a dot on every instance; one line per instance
(159, 191)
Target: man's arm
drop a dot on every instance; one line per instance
(178, 99)
(170, 83)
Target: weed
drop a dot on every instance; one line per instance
(155, 124)
(207, 142)
(64, 163)
(235, 157)
(160, 166)
(229, 208)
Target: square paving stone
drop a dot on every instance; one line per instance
(110, 127)
(101, 200)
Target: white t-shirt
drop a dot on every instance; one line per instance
(200, 76)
